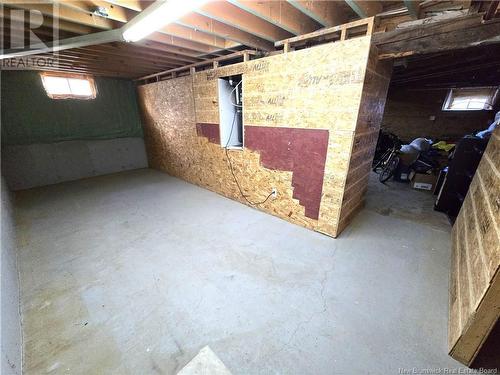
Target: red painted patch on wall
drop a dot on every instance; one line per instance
(210, 131)
(301, 151)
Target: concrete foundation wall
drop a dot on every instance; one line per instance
(11, 321)
(27, 166)
(29, 116)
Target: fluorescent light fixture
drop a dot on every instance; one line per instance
(157, 15)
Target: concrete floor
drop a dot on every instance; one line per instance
(134, 273)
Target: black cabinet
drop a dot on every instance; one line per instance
(457, 179)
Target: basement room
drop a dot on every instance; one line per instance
(250, 187)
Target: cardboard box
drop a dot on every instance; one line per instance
(423, 181)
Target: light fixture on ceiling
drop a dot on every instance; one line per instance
(101, 11)
(157, 15)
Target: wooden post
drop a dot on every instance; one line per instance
(216, 64)
(286, 47)
(369, 26)
(246, 56)
(343, 33)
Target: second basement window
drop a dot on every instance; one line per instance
(471, 99)
(71, 86)
(231, 111)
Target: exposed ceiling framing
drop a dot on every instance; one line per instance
(215, 30)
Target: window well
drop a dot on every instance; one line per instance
(231, 111)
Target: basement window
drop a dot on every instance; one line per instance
(231, 111)
(68, 86)
(471, 99)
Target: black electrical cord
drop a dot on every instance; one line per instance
(232, 170)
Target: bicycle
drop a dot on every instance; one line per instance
(387, 164)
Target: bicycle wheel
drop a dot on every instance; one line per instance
(389, 169)
(379, 164)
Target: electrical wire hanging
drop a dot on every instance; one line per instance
(231, 95)
(232, 170)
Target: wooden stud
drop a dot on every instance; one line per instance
(328, 32)
(343, 34)
(231, 56)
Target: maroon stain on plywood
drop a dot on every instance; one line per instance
(210, 131)
(301, 151)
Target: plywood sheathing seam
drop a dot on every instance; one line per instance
(316, 88)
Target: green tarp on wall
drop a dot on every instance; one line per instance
(29, 116)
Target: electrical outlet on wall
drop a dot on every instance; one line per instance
(274, 193)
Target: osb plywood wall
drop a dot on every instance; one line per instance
(475, 263)
(300, 116)
(376, 84)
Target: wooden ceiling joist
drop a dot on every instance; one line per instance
(221, 27)
(365, 8)
(64, 13)
(281, 14)
(105, 50)
(195, 47)
(92, 72)
(198, 36)
(95, 67)
(211, 26)
(143, 52)
(79, 12)
(180, 53)
(232, 15)
(326, 13)
(137, 5)
(170, 34)
(48, 22)
(88, 69)
(110, 61)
